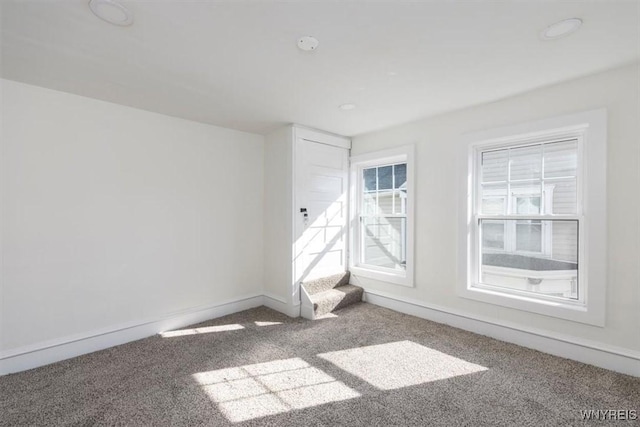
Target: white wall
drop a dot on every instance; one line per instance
(112, 215)
(278, 234)
(437, 198)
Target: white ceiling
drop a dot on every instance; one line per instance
(236, 64)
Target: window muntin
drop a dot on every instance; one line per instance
(526, 196)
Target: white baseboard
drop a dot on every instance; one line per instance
(608, 357)
(597, 354)
(277, 303)
(40, 354)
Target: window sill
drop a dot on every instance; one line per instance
(568, 310)
(388, 277)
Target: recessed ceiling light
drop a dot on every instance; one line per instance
(561, 29)
(111, 11)
(308, 43)
(347, 107)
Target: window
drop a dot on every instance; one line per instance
(520, 251)
(382, 216)
(526, 229)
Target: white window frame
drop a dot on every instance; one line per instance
(590, 128)
(403, 154)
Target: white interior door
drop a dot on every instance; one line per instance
(320, 230)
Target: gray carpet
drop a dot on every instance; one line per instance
(334, 299)
(364, 366)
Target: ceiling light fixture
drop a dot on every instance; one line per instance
(112, 12)
(308, 43)
(561, 29)
(347, 107)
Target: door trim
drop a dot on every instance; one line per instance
(321, 137)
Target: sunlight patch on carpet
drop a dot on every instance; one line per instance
(252, 391)
(203, 330)
(327, 316)
(267, 323)
(399, 364)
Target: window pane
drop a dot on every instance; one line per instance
(525, 198)
(564, 240)
(493, 235)
(528, 205)
(526, 162)
(385, 178)
(529, 236)
(384, 242)
(369, 176)
(382, 236)
(369, 204)
(400, 202)
(561, 159)
(493, 206)
(400, 175)
(494, 199)
(557, 192)
(385, 202)
(495, 165)
(553, 274)
(562, 196)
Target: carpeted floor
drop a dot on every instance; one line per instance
(366, 366)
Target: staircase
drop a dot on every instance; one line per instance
(322, 296)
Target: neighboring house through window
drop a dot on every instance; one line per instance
(383, 218)
(533, 233)
(527, 253)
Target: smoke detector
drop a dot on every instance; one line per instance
(112, 12)
(308, 43)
